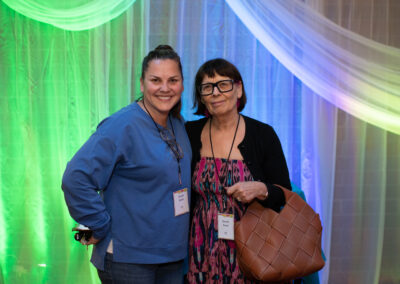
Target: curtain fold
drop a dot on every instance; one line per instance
(56, 85)
(330, 46)
(74, 15)
(366, 187)
(354, 73)
(318, 160)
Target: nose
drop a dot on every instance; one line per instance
(218, 92)
(164, 87)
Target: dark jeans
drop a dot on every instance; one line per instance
(128, 273)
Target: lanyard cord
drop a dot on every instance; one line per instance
(173, 132)
(230, 151)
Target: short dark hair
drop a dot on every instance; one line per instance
(211, 68)
(164, 52)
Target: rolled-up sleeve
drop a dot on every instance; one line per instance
(86, 174)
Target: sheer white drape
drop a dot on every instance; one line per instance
(367, 162)
(75, 15)
(348, 167)
(356, 74)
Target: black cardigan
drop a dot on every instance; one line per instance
(262, 153)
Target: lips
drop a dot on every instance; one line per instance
(164, 98)
(216, 104)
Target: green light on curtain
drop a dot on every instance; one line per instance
(75, 15)
(56, 86)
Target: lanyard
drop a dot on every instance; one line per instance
(230, 151)
(174, 151)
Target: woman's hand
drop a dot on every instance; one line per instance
(246, 191)
(91, 241)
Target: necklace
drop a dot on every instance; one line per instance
(172, 143)
(230, 151)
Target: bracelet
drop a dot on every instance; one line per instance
(266, 192)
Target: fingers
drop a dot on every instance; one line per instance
(235, 192)
(243, 192)
(231, 190)
(91, 241)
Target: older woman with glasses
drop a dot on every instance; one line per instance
(139, 161)
(236, 160)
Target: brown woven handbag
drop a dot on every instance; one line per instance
(277, 247)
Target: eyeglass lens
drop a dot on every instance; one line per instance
(222, 86)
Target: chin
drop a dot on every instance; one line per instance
(168, 108)
(217, 113)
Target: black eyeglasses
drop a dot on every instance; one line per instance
(172, 144)
(223, 86)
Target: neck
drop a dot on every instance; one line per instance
(158, 117)
(225, 122)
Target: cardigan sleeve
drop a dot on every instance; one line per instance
(263, 154)
(276, 172)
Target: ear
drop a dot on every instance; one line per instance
(141, 85)
(240, 90)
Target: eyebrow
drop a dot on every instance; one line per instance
(172, 77)
(223, 79)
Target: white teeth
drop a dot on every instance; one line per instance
(164, 98)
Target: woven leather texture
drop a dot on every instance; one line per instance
(277, 247)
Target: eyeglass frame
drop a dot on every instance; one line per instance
(216, 85)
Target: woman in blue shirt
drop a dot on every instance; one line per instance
(139, 161)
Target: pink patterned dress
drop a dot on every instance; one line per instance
(213, 260)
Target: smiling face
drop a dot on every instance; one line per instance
(222, 104)
(162, 87)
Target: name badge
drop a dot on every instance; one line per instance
(225, 226)
(181, 202)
